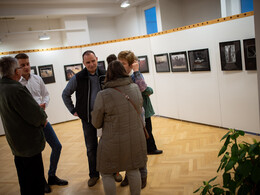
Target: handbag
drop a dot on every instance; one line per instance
(146, 134)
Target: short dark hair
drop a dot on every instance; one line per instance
(21, 56)
(115, 70)
(87, 53)
(111, 58)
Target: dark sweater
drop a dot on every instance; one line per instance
(22, 118)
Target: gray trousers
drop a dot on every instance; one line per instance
(134, 178)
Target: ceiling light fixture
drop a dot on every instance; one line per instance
(125, 4)
(44, 37)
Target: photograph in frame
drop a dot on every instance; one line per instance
(230, 55)
(143, 64)
(250, 54)
(199, 60)
(72, 69)
(179, 61)
(34, 70)
(101, 65)
(47, 73)
(162, 62)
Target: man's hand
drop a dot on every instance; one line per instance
(135, 66)
(75, 114)
(43, 106)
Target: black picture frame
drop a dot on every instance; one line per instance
(162, 62)
(179, 62)
(250, 54)
(143, 64)
(199, 60)
(101, 65)
(230, 55)
(71, 69)
(34, 70)
(46, 72)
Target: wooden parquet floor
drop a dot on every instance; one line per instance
(189, 157)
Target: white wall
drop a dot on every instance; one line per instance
(102, 29)
(200, 11)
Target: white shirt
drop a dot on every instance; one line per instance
(37, 88)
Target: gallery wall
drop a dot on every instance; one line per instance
(221, 98)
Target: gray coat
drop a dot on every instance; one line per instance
(122, 145)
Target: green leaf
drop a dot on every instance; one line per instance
(198, 189)
(205, 190)
(244, 189)
(218, 191)
(227, 141)
(225, 135)
(212, 179)
(252, 147)
(234, 151)
(223, 149)
(232, 186)
(230, 165)
(242, 155)
(226, 179)
(241, 132)
(234, 136)
(245, 168)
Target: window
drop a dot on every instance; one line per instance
(247, 6)
(150, 20)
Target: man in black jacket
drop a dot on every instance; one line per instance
(87, 83)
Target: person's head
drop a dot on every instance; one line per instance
(111, 58)
(23, 61)
(70, 73)
(127, 58)
(90, 61)
(115, 71)
(10, 68)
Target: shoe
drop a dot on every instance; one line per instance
(54, 180)
(155, 152)
(118, 177)
(144, 181)
(124, 182)
(47, 188)
(92, 181)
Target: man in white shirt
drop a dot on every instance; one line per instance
(35, 85)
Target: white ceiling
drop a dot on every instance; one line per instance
(35, 9)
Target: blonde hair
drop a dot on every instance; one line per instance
(127, 55)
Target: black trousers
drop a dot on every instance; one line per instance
(30, 174)
(151, 146)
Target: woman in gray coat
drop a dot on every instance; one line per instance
(122, 146)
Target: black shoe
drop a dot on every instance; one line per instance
(144, 181)
(92, 181)
(54, 180)
(155, 152)
(117, 177)
(124, 182)
(47, 188)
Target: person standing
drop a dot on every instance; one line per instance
(23, 120)
(122, 146)
(129, 61)
(86, 83)
(35, 85)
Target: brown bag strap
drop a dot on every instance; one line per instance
(133, 104)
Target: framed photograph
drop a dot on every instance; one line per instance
(162, 62)
(71, 70)
(101, 65)
(143, 64)
(34, 70)
(179, 61)
(199, 60)
(230, 54)
(250, 54)
(47, 73)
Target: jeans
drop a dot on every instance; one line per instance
(30, 174)
(91, 141)
(150, 141)
(55, 145)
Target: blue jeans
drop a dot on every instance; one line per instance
(55, 145)
(91, 141)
